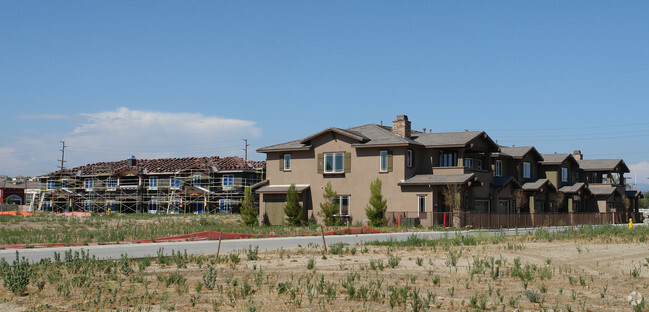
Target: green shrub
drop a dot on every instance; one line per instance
(329, 208)
(249, 213)
(293, 211)
(209, 278)
(16, 276)
(376, 208)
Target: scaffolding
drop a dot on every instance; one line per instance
(193, 190)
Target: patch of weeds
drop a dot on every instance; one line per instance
(253, 254)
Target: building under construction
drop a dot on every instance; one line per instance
(166, 185)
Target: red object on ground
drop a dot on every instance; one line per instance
(444, 221)
(15, 213)
(200, 236)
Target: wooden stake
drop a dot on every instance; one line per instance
(323, 239)
(219, 248)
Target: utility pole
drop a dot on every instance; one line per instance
(245, 149)
(62, 160)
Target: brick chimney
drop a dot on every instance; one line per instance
(577, 154)
(401, 126)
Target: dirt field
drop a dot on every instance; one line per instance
(515, 273)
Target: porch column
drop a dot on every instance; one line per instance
(570, 204)
(531, 203)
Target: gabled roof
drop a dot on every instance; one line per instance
(557, 159)
(459, 139)
(287, 146)
(165, 165)
(381, 136)
(633, 194)
(350, 134)
(372, 135)
(603, 165)
(537, 185)
(571, 189)
(369, 135)
(440, 179)
(503, 181)
(603, 190)
(519, 152)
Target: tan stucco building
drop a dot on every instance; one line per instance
(414, 167)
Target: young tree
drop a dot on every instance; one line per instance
(249, 212)
(520, 199)
(561, 197)
(329, 208)
(453, 199)
(293, 210)
(377, 206)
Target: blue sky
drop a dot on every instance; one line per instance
(176, 78)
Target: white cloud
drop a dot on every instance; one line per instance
(115, 135)
(148, 134)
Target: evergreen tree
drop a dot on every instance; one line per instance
(249, 212)
(376, 209)
(329, 208)
(293, 210)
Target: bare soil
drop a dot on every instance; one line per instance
(561, 276)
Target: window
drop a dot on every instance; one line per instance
(421, 199)
(334, 162)
(65, 183)
(87, 205)
(174, 183)
(527, 169)
(480, 164)
(499, 168)
(343, 205)
(468, 162)
(564, 174)
(448, 159)
(51, 185)
(225, 206)
(88, 183)
(110, 205)
(111, 183)
(409, 159)
(287, 162)
(228, 181)
(384, 161)
(153, 183)
(174, 206)
(197, 180)
(153, 206)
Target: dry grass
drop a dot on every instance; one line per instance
(530, 273)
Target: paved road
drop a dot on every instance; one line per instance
(210, 247)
